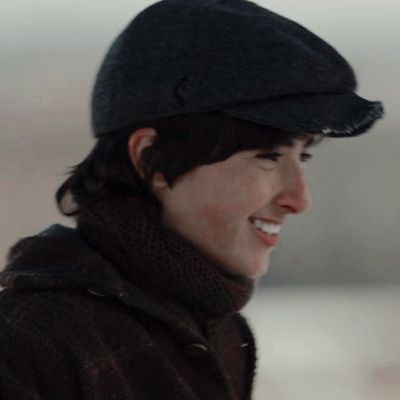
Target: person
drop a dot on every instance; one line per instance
(203, 113)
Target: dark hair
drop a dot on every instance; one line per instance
(183, 142)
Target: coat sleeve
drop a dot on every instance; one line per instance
(32, 368)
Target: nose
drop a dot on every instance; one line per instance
(294, 196)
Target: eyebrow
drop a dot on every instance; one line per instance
(309, 142)
(313, 139)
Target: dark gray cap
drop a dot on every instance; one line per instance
(186, 56)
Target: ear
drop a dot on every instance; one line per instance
(138, 141)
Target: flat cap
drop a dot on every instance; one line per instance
(186, 56)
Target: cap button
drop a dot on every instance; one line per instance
(96, 293)
(197, 349)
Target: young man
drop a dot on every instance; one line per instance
(203, 112)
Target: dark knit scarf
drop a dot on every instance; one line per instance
(159, 261)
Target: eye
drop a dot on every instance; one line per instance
(305, 157)
(270, 156)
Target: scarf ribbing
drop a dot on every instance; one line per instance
(160, 261)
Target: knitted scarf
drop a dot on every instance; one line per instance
(158, 260)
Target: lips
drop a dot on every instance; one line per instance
(267, 239)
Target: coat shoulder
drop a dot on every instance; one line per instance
(73, 319)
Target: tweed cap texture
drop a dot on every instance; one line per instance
(180, 56)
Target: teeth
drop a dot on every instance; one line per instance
(271, 229)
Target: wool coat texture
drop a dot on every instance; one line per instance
(121, 307)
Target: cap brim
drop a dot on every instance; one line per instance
(335, 115)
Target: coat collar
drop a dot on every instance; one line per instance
(103, 257)
(59, 259)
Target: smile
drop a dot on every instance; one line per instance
(267, 232)
(270, 228)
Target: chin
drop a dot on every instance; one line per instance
(245, 269)
(259, 271)
(257, 275)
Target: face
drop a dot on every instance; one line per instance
(232, 210)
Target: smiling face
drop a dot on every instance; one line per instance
(216, 206)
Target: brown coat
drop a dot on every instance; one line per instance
(72, 327)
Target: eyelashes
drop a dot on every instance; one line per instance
(305, 157)
(274, 156)
(271, 156)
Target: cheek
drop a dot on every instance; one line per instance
(229, 205)
(221, 200)
(217, 218)
(212, 213)
(219, 208)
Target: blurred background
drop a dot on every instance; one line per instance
(325, 314)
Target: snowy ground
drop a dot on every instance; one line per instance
(327, 343)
